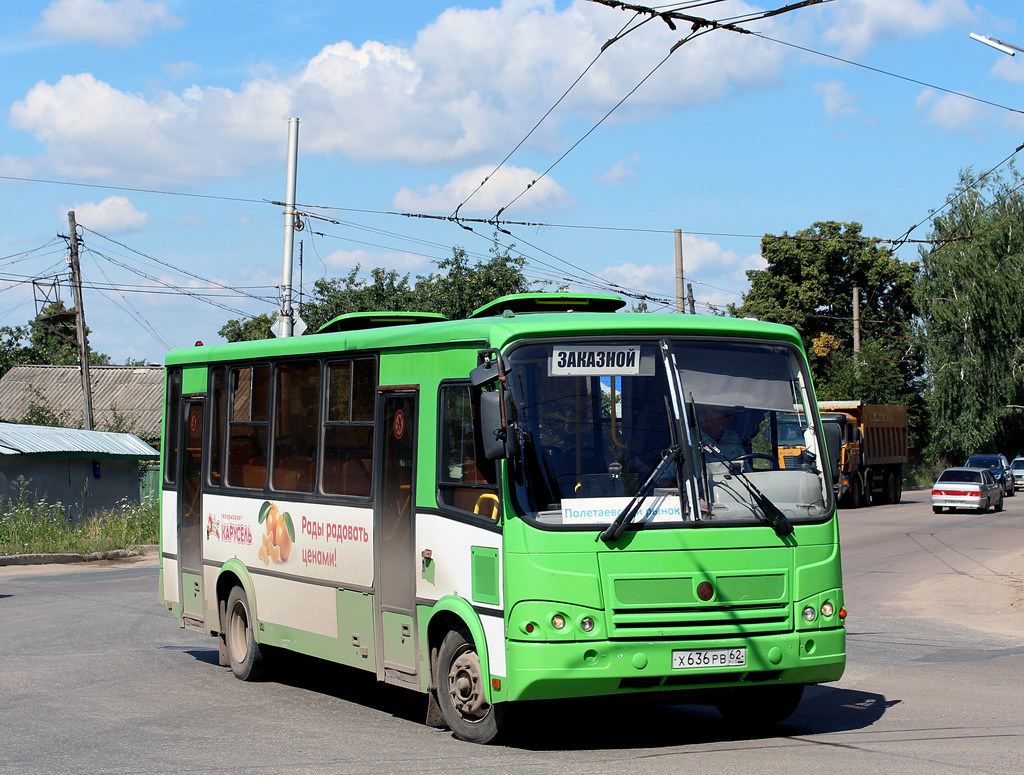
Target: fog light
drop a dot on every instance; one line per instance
(586, 624)
(810, 613)
(826, 609)
(558, 621)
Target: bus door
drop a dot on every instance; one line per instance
(190, 513)
(394, 565)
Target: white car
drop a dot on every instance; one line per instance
(967, 488)
(1017, 466)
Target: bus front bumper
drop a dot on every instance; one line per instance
(589, 669)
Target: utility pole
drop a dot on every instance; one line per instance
(679, 271)
(83, 343)
(286, 321)
(689, 298)
(856, 330)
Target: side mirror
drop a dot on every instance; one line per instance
(833, 446)
(495, 437)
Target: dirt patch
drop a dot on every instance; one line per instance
(988, 599)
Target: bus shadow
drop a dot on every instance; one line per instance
(599, 723)
(610, 723)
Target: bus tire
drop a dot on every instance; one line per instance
(461, 692)
(760, 707)
(244, 654)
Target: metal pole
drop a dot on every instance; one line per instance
(83, 343)
(287, 321)
(679, 272)
(856, 320)
(856, 331)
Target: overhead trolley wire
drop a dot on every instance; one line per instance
(172, 266)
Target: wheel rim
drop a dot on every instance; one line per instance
(465, 685)
(238, 633)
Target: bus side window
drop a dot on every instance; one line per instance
(295, 426)
(171, 426)
(348, 427)
(249, 394)
(466, 480)
(216, 454)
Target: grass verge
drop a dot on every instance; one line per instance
(34, 527)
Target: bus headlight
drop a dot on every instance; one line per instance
(827, 609)
(558, 621)
(810, 613)
(586, 624)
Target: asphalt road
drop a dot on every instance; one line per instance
(95, 676)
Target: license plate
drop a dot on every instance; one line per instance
(697, 658)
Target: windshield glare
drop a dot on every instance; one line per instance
(593, 421)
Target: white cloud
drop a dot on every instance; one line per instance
(501, 188)
(180, 69)
(836, 100)
(949, 111)
(365, 260)
(17, 167)
(1009, 68)
(860, 23)
(459, 93)
(621, 171)
(114, 215)
(116, 23)
(718, 275)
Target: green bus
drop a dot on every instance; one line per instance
(549, 499)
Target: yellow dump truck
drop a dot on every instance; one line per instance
(868, 449)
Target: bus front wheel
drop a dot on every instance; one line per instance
(761, 707)
(461, 692)
(244, 654)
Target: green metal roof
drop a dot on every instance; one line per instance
(18, 439)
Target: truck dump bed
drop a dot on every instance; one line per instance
(883, 427)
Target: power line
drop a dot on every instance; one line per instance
(883, 72)
(179, 289)
(618, 36)
(170, 266)
(161, 192)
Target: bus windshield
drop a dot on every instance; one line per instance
(593, 422)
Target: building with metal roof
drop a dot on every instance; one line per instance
(86, 471)
(126, 397)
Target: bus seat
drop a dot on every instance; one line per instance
(294, 473)
(356, 477)
(254, 474)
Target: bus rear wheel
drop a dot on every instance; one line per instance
(244, 655)
(761, 707)
(461, 692)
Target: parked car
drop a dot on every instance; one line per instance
(998, 465)
(1017, 466)
(967, 488)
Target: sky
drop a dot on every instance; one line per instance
(163, 125)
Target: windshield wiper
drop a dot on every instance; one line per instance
(628, 514)
(769, 512)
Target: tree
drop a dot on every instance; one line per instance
(809, 284)
(259, 327)
(972, 311)
(48, 339)
(457, 288)
(385, 290)
(14, 347)
(454, 290)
